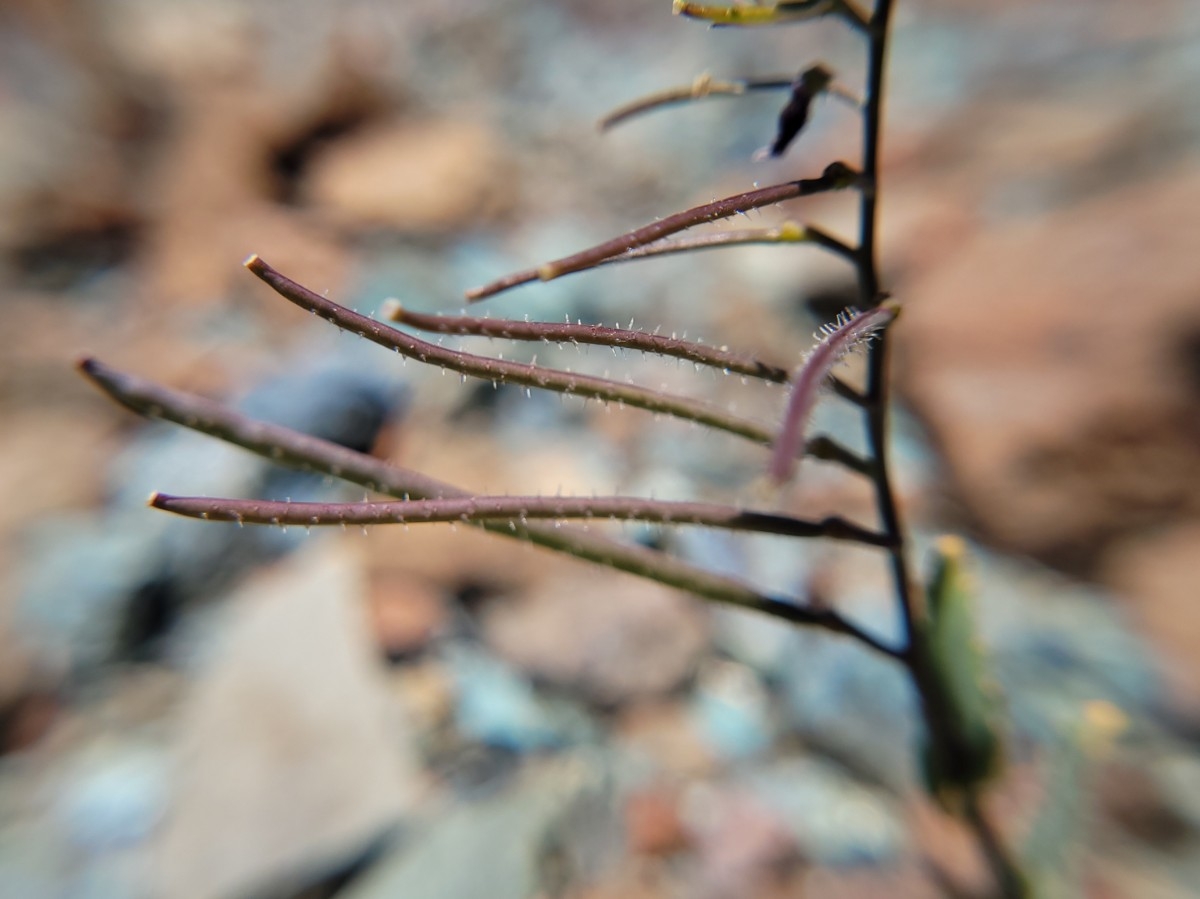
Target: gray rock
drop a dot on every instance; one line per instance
(855, 705)
(290, 749)
(550, 830)
(611, 638)
(110, 585)
(835, 818)
(733, 710)
(115, 796)
(498, 707)
(30, 863)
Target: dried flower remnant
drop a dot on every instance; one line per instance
(794, 117)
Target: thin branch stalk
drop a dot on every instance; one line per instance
(705, 86)
(702, 87)
(788, 232)
(590, 335)
(514, 510)
(499, 370)
(1009, 876)
(307, 453)
(837, 176)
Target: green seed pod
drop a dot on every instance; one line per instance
(963, 749)
(755, 13)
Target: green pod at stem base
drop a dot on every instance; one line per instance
(963, 749)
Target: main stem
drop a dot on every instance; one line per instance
(1005, 870)
(869, 296)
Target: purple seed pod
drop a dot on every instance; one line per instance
(835, 340)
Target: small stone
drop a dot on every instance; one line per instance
(733, 710)
(653, 824)
(538, 836)
(115, 796)
(835, 819)
(405, 614)
(611, 638)
(498, 706)
(843, 697)
(740, 842)
(1156, 573)
(665, 736)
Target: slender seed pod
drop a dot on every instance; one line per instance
(836, 339)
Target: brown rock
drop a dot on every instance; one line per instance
(426, 176)
(425, 691)
(287, 750)
(743, 847)
(666, 736)
(405, 613)
(908, 879)
(1046, 360)
(613, 638)
(1130, 795)
(50, 462)
(633, 884)
(1157, 572)
(653, 824)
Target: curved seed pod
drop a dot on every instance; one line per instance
(963, 749)
(836, 339)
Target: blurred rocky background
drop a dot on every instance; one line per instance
(190, 710)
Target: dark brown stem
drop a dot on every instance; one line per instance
(1004, 868)
(837, 176)
(1009, 877)
(848, 393)
(829, 450)
(876, 398)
